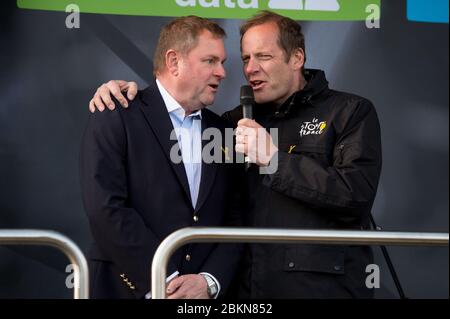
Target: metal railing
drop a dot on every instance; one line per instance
(253, 235)
(58, 241)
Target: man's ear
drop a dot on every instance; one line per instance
(172, 60)
(298, 59)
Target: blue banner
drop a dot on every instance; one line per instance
(428, 11)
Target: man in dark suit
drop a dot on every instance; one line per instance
(137, 188)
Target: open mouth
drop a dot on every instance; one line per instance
(214, 86)
(256, 84)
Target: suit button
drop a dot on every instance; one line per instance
(122, 276)
(195, 218)
(337, 267)
(291, 265)
(188, 257)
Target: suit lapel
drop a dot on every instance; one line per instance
(156, 115)
(208, 170)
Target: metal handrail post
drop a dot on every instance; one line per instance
(58, 241)
(253, 235)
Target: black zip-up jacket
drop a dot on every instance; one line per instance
(329, 163)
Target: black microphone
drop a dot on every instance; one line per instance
(247, 101)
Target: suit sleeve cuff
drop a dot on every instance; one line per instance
(215, 280)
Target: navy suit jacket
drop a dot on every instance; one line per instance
(135, 196)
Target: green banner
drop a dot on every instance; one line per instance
(225, 9)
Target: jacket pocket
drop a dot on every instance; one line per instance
(310, 148)
(319, 152)
(297, 148)
(315, 258)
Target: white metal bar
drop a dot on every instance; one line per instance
(253, 235)
(58, 241)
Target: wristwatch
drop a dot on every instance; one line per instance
(211, 286)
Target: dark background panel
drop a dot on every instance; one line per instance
(49, 73)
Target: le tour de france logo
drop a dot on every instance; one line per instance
(312, 5)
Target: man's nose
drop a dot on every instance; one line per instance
(251, 67)
(220, 72)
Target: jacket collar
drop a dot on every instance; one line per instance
(209, 170)
(159, 121)
(316, 84)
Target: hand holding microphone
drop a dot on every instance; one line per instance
(251, 138)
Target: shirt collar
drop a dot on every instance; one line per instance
(173, 106)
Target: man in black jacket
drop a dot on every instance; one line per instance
(328, 166)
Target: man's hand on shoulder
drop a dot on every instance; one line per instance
(102, 97)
